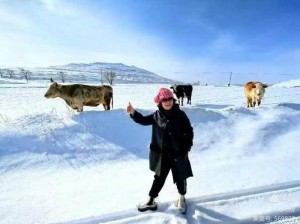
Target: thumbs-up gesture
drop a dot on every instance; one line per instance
(130, 109)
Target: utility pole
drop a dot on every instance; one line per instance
(229, 79)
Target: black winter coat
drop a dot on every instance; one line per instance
(172, 136)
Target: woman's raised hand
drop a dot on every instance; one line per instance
(130, 108)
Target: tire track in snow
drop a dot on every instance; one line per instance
(195, 208)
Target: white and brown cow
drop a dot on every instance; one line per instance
(254, 92)
(77, 95)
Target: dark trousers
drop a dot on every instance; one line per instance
(159, 181)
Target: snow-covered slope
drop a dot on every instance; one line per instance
(288, 84)
(60, 166)
(11, 81)
(93, 72)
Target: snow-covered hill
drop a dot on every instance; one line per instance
(60, 166)
(93, 72)
(289, 84)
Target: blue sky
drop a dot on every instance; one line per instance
(188, 40)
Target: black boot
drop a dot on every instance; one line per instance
(149, 205)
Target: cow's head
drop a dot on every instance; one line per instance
(260, 88)
(174, 87)
(53, 91)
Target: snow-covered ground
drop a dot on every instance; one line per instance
(60, 166)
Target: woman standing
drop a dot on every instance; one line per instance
(172, 139)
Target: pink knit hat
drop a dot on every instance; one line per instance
(163, 94)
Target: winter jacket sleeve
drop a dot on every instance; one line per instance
(143, 120)
(188, 133)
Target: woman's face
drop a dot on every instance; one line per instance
(167, 104)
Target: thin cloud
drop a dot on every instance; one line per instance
(226, 45)
(60, 7)
(10, 18)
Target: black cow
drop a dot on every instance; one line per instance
(182, 91)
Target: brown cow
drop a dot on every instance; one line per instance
(77, 95)
(254, 92)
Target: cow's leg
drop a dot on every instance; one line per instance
(107, 102)
(104, 106)
(181, 101)
(80, 108)
(79, 104)
(252, 100)
(249, 102)
(254, 103)
(258, 102)
(73, 105)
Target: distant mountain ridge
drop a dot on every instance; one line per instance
(93, 72)
(86, 72)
